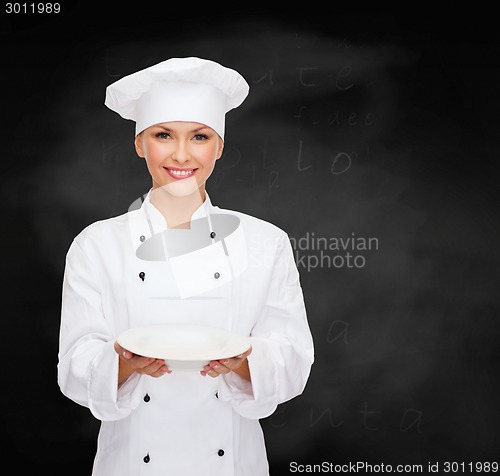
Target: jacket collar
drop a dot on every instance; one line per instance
(157, 220)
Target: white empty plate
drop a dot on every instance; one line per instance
(187, 347)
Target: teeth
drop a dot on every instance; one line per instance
(180, 173)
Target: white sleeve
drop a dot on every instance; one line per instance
(88, 364)
(282, 345)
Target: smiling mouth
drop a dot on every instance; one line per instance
(180, 173)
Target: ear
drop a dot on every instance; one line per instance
(138, 145)
(220, 149)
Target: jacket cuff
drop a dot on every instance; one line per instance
(106, 401)
(258, 398)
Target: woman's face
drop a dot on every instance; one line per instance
(180, 156)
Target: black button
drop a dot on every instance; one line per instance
(142, 238)
(146, 458)
(147, 398)
(217, 275)
(220, 452)
(142, 275)
(212, 235)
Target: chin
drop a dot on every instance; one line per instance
(182, 188)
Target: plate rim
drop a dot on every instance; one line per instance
(243, 342)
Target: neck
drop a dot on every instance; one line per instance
(177, 210)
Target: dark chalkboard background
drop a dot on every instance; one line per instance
(380, 128)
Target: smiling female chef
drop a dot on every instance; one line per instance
(177, 259)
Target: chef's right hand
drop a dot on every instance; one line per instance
(130, 363)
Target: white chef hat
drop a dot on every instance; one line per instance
(178, 89)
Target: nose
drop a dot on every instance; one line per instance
(181, 152)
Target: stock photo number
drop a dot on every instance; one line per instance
(32, 8)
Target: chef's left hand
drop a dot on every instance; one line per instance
(238, 364)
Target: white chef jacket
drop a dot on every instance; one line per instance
(181, 423)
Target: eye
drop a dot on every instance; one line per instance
(200, 137)
(162, 135)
